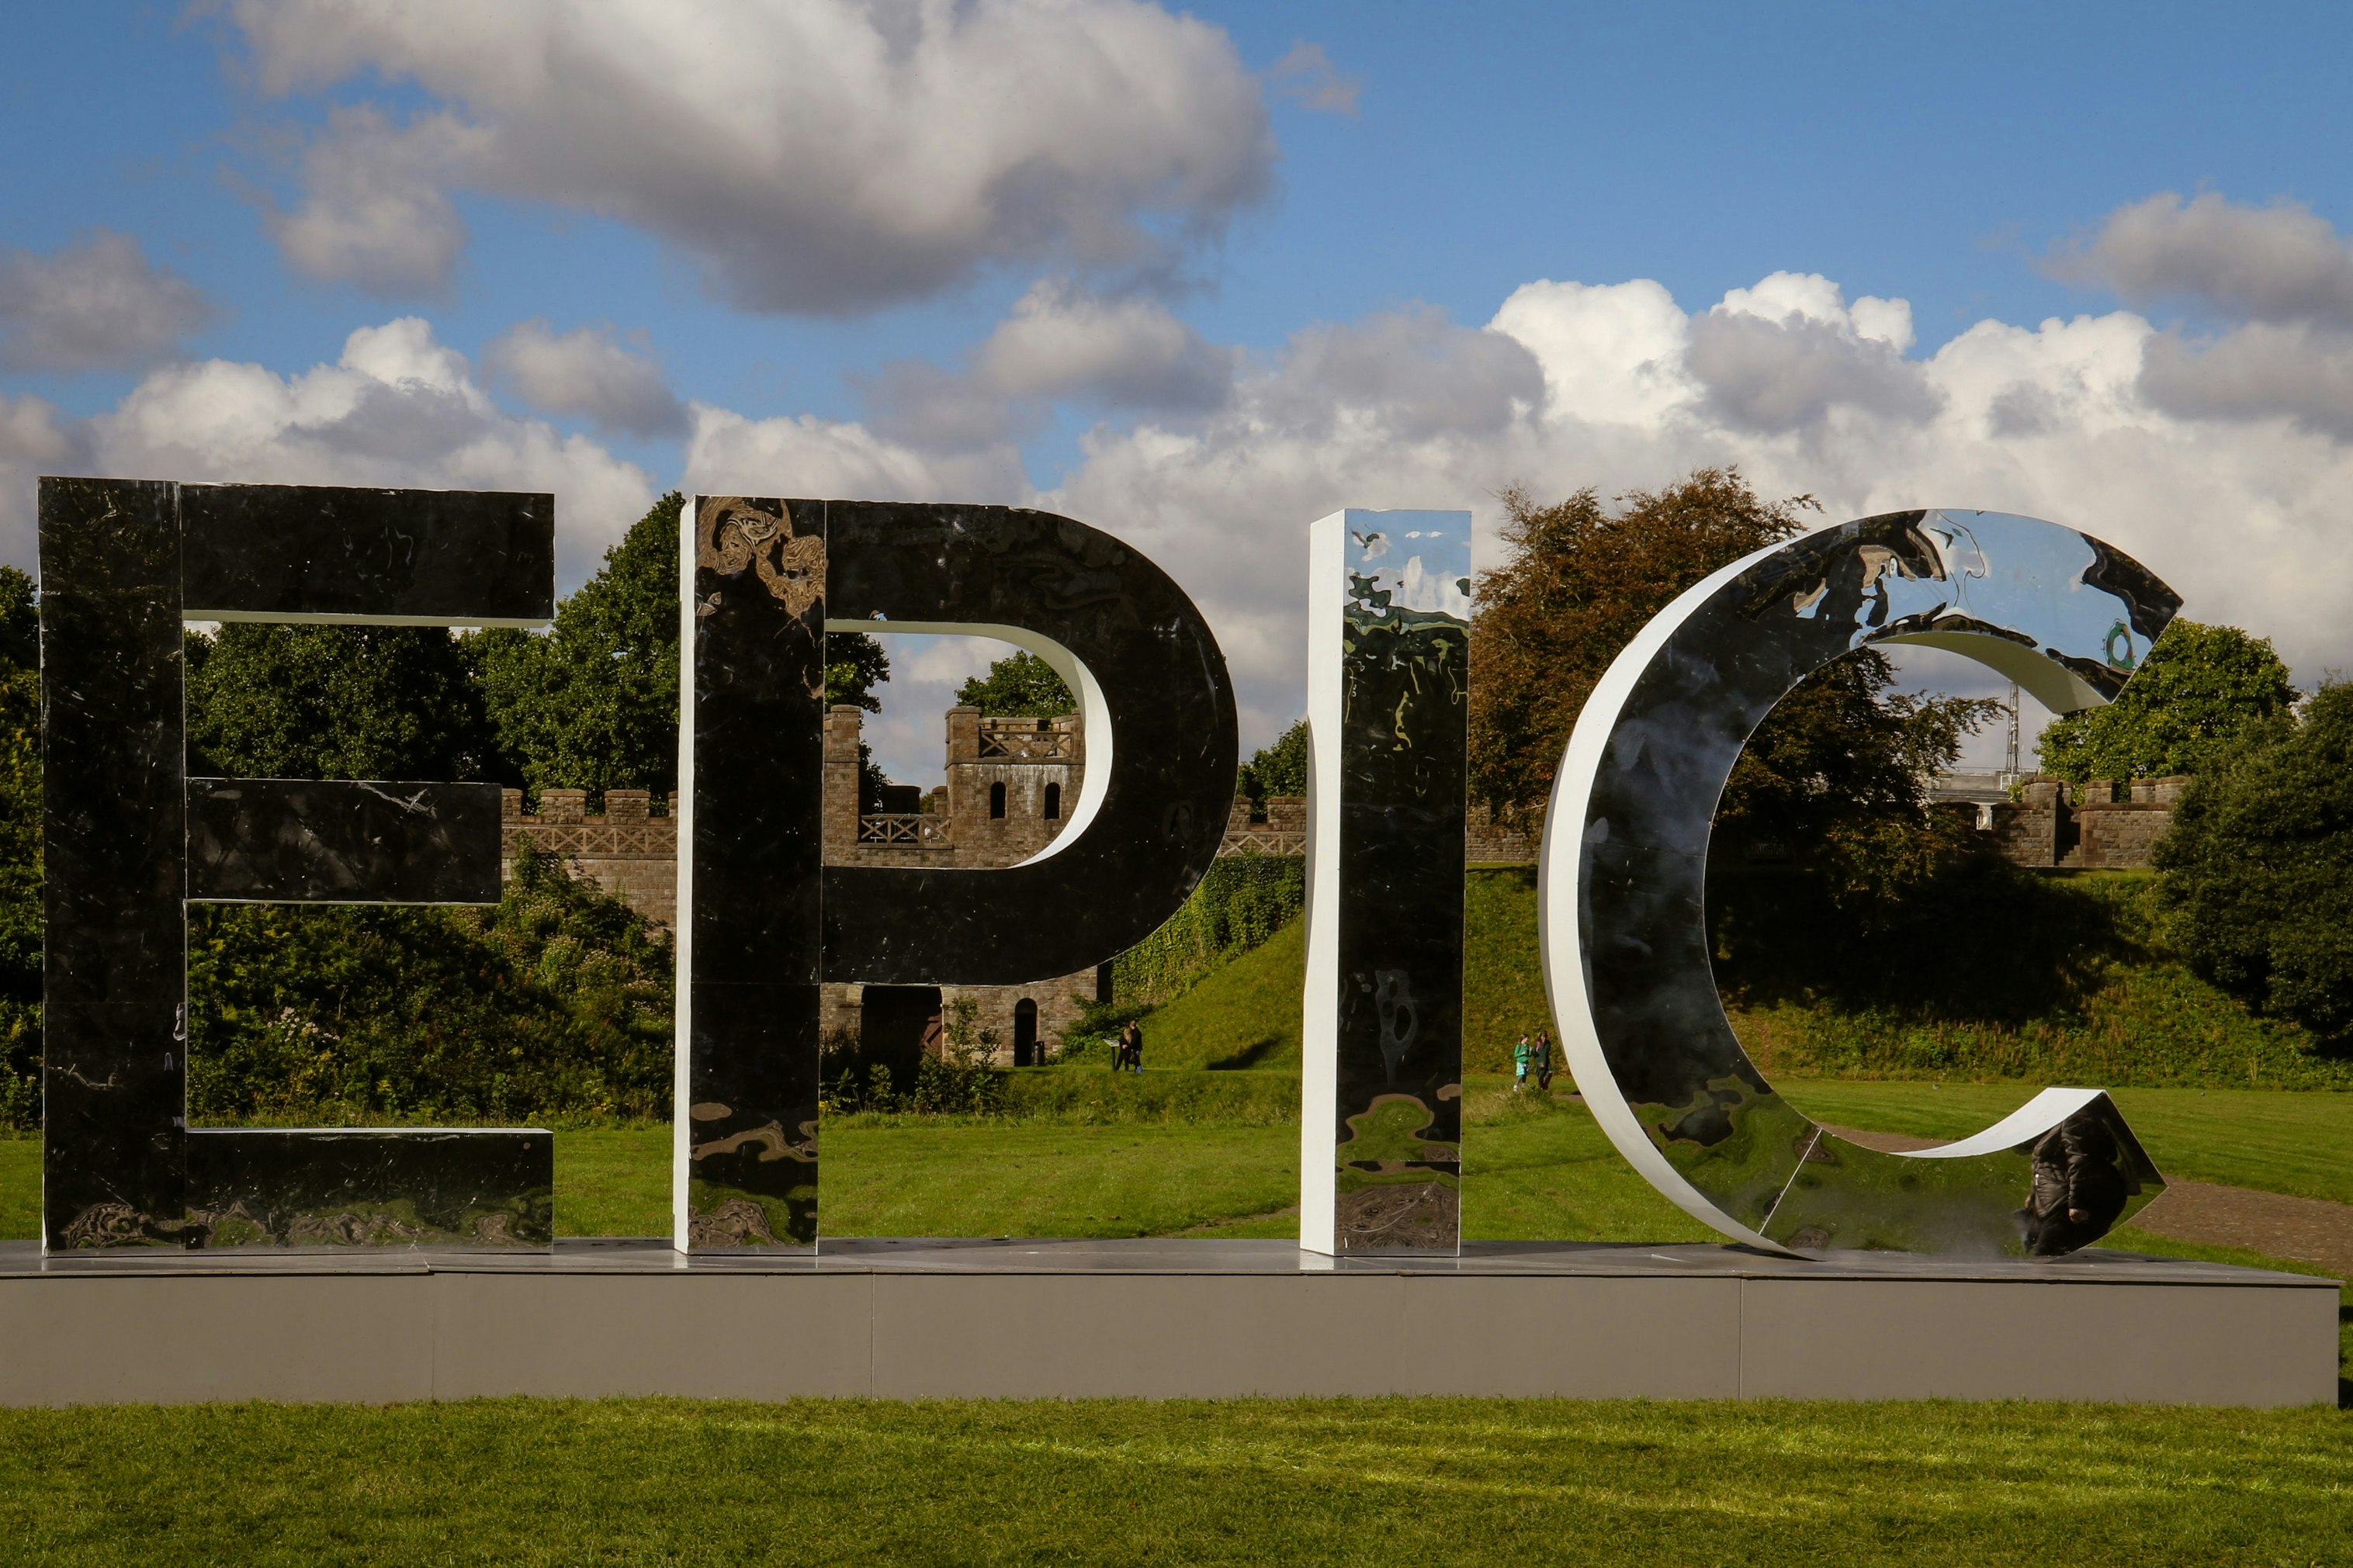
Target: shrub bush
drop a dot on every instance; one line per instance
(2258, 868)
(555, 1001)
(1242, 901)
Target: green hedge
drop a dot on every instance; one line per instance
(554, 1002)
(1241, 901)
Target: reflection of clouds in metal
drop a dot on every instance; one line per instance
(1624, 872)
(1380, 1164)
(1418, 561)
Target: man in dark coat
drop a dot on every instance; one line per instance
(2079, 1187)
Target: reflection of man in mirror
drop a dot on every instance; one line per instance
(2078, 1189)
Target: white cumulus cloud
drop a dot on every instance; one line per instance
(1060, 343)
(2276, 263)
(397, 408)
(2235, 499)
(823, 156)
(32, 441)
(586, 372)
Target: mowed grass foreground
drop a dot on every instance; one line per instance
(1248, 1481)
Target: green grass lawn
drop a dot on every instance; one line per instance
(2280, 1142)
(20, 1186)
(1244, 1014)
(1537, 1174)
(1247, 1481)
(1533, 1171)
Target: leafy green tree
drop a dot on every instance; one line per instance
(1829, 797)
(593, 703)
(2199, 690)
(1278, 767)
(337, 702)
(20, 621)
(555, 1001)
(20, 851)
(2257, 870)
(855, 664)
(1018, 685)
(1825, 823)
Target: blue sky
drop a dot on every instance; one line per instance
(1248, 271)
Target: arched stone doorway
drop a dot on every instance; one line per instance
(1025, 1033)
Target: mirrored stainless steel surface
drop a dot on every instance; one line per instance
(1381, 1132)
(1624, 870)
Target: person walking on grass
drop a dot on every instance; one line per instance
(1131, 1048)
(1520, 1054)
(1543, 1061)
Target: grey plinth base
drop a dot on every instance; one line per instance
(1158, 1318)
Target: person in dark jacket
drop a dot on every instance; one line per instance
(1131, 1048)
(2079, 1187)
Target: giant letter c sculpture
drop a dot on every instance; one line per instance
(1624, 868)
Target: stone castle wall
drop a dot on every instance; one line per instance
(630, 847)
(631, 853)
(2086, 827)
(1285, 832)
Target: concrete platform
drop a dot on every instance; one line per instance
(931, 1319)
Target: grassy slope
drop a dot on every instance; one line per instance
(1245, 1014)
(1750, 1485)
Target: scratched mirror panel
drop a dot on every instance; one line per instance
(132, 841)
(1403, 750)
(750, 1011)
(2060, 613)
(311, 1187)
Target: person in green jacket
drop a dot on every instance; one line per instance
(1520, 1055)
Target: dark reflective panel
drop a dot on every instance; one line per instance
(336, 1186)
(292, 553)
(1626, 956)
(335, 841)
(120, 823)
(765, 574)
(1387, 708)
(751, 860)
(1161, 750)
(113, 762)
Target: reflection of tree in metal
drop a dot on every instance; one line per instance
(1387, 714)
(1627, 957)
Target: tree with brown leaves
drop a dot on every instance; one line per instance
(1581, 581)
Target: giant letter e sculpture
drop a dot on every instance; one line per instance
(130, 840)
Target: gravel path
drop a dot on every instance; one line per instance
(2310, 1230)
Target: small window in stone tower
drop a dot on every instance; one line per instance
(1053, 803)
(997, 800)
